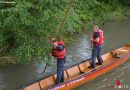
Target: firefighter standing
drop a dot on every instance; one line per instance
(97, 41)
(59, 52)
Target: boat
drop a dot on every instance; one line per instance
(80, 73)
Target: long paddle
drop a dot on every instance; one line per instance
(49, 39)
(62, 23)
(45, 67)
(93, 23)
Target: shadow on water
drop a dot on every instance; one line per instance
(116, 35)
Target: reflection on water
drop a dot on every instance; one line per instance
(116, 35)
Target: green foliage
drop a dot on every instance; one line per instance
(124, 2)
(25, 25)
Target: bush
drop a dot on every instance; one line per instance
(26, 24)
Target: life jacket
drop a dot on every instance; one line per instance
(101, 38)
(59, 54)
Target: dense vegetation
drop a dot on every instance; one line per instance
(26, 25)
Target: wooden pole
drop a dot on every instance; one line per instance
(62, 23)
(45, 68)
(65, 17)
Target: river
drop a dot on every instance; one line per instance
(116, 35)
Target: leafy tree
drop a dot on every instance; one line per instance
(25, 25)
